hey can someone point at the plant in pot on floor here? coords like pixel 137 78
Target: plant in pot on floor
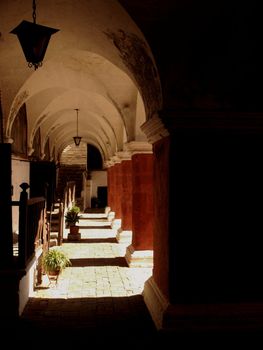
pixel 71 219
pixel 54 261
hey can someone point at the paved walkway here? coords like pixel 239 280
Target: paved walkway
pixel 98 298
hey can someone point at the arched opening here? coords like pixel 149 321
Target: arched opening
pixel 94 159
pixel 98 74
pixel 97 177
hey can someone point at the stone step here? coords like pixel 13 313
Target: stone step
pixel 55 223
pixel 53 242
pixel 94 223
pixel 97 232
pixel 94 216
pixel 54 234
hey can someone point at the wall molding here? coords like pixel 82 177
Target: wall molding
pixel 155 301
pixel 154 129
pixel 138 147
pixel 139 258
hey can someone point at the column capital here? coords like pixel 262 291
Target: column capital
pixel 113 160
pixel 154 129
pixel 137 147
pixel 124 155
pixel 108 163
pixel 116 159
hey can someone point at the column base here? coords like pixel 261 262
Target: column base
pixel 139 258
pixel 155 302
pixel 200 318
pixel 124 236
pixel 116 224
pixel 111 215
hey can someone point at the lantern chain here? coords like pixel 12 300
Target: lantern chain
pixel 34 11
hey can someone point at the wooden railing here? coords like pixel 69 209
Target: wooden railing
pixel 61 223
pixel 68 201
pixel 33 233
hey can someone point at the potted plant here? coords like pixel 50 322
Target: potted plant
pixel 54 261
pixel 71 219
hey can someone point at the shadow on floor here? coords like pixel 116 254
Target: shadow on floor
pixel 115 321
pixel 118 261
pixel 93 240
pixel 95 210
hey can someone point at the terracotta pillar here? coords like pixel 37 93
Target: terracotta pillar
pixel 124 234
pixel 161 152
pixel 208 221
pixel 115 192
pixel 140 252
pixel 142 209
pixel 118 190
pixel 110 188
pixel 126 197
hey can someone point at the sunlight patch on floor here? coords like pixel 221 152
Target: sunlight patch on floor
pixel 95 282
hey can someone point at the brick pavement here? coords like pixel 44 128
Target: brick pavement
pixel 98 297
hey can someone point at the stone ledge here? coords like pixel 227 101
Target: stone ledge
pixel 116 224
pixel 139 258
pixel 200 317
pixel 155 302
pixel 124 236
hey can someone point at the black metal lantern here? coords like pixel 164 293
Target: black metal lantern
pixel 34 39
pixel 77 138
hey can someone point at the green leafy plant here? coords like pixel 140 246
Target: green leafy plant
pixel 55 260
pixel 72 216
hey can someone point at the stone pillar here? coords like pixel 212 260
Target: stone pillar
pixel 126 203
pixel 87 191
pixel 118 190
pixel 111 183
pixel 208 221
pixel 110 188
pixel 124 234
pixel 115 191
pixel 140 252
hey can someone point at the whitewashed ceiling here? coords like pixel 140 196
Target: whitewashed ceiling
pixel 89 64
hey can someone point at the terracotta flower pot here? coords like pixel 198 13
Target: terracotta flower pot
pixel 74 230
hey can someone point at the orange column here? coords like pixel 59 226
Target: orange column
pixel 161 151
pixel 126 197
pixel 142 198
pixel 111 188
pixel 118 190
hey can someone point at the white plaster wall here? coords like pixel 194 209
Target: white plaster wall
pixel 140 119
pixel 74 155
pixel 20 173
pixel 99 178
pixel 26 285
pixel 26 288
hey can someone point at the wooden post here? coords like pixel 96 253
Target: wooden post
pixel 23 225
pixel 61 223
pixel 6 236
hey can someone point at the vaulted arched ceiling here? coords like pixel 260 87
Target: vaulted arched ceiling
pixel 98 62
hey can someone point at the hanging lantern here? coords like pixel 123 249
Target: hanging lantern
pixel 77 138
pixel 34 39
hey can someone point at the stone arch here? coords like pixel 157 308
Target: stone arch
pixel 108 45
